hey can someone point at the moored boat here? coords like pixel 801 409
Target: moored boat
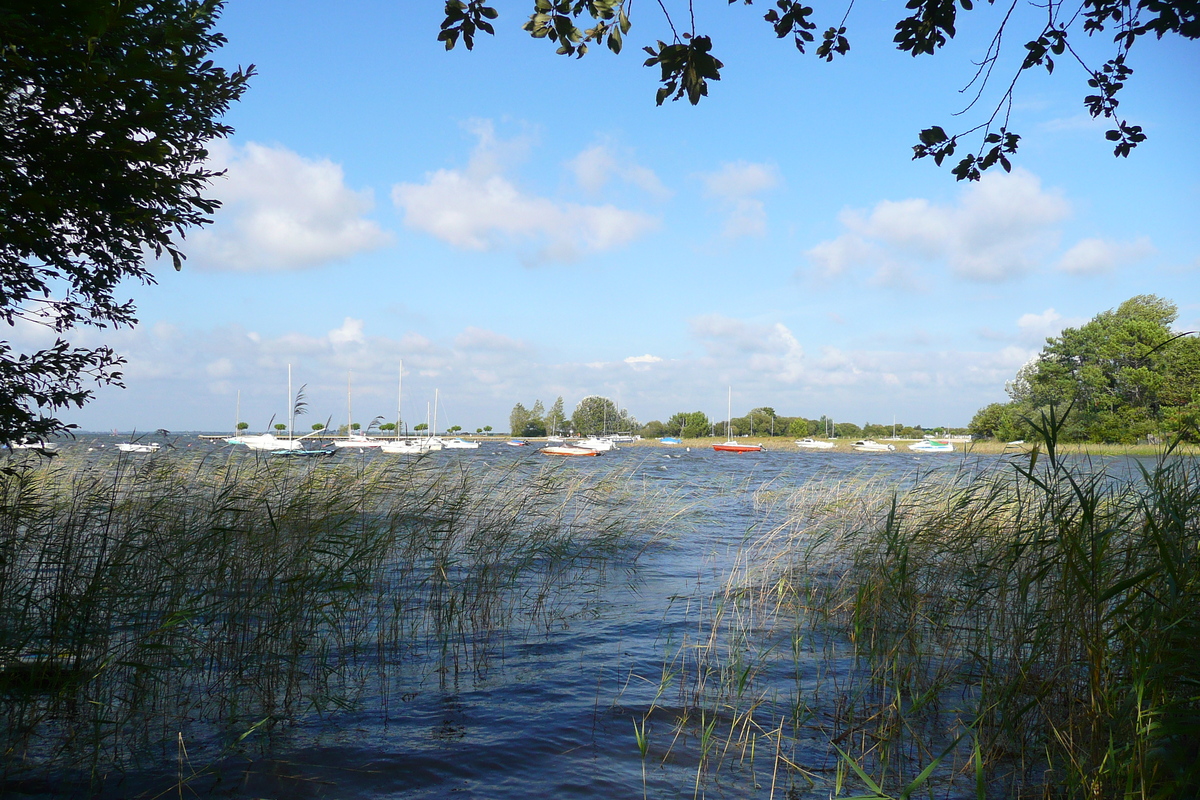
pixel 137 447
pixel 258 441
pixel 517 443
pixel 872 446
pixel 736 447
pixel 34 444
pixel 932 446
pixel 809 443
pixel 358 440
pixel 730 445
pixel 458 444
pixel 569 450
pixel 410 447
pixel 598 443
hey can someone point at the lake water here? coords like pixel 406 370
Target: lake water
pixel 555 711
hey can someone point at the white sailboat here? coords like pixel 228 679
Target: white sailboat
pixel 269 441
pixel 354 439
pixel 409 446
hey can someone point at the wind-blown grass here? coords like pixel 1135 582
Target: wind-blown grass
pixel 1031 631
pixel 172 599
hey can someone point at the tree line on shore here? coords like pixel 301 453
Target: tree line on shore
pixel 1124 377
pixel 596 416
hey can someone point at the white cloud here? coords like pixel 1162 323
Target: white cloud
pixel 1040 326
pixel 767 349
pixel 351 332
pixel 996 231
pixel 642 363
pixel 482 209
pixel 1101 256
pixel 481 340
pixel 190 378
pixel 735 187
pixel 598 165
pixel 221 368
pixel 282 211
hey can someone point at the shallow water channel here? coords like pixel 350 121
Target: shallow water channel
pixel 596 698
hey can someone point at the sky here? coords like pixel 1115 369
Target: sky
pixel 508 225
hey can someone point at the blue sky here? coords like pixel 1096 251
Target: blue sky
pixel 515 226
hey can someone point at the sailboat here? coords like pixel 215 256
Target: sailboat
pixel 355 439
pixel 269 441
pixel 405 447
pixel 730 445
pixel 454 443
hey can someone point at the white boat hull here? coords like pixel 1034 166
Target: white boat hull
pixel 265 441
pixel 932 446
pixel 595 443
pixel 872 446
pixel 134 447
pixel 459 444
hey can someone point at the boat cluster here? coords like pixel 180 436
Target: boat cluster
pixel 277 445
pixel 872 446
pixel 587 446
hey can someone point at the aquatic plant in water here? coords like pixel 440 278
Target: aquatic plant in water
pixel 193 601
pixel 1023 631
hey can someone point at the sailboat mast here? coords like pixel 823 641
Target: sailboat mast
pixel 237 413
pixel 291 407
pixel 435 405
pixel 400 394
pixel 729 415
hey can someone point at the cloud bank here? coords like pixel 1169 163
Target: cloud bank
pixel 995 232
pixel 482 208
pixel 281 211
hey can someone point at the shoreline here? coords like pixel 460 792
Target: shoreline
pixel 788 443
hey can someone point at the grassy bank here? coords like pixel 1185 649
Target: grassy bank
pixel 148 603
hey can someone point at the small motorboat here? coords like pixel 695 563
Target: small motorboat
pixel 932 446
pixel 410 447
pixel 569 450
pixel 872 446
pixel 137 447
pixel 735 447
pixel 517 443
pixel 358 441
pixel 459 444
pixel 261 441
pixel 597 443
pixel 670 440
pixel 34 444
pixel 809 443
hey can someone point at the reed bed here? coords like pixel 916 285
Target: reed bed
pixel 1028 630
pixel 151 605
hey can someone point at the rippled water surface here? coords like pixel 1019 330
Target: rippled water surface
pixel 550 707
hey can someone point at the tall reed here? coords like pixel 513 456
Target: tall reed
pixel 145 603
pixel 1028 627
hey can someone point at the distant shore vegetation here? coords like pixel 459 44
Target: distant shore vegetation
pixel 1127 377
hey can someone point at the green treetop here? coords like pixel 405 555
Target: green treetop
pixel 106 110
